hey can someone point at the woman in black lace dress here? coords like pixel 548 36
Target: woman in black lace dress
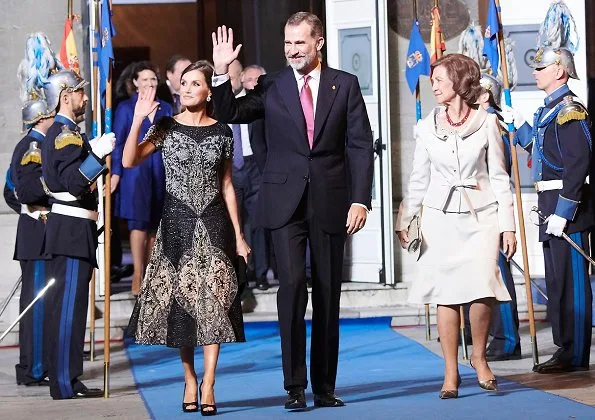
pixel 189 296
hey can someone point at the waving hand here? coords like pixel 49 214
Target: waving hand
pixel 223 50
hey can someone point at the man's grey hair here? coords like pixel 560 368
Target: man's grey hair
pixel 311 19
pixel 256 67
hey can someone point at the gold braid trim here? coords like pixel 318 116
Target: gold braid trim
pixel 31 157
pixel 64 140
pixel 574 115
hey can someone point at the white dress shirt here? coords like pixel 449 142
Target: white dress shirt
pixel 314 83
pixel 246 148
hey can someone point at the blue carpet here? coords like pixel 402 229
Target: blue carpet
pixel 382 375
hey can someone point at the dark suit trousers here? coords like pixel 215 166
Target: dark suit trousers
pixel 246 182
pixel 32 366
pixel 67 316
pixel 569 297
pixel 327 261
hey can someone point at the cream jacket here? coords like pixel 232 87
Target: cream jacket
pixel 458 172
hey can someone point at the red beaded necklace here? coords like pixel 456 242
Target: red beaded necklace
pixel 460 123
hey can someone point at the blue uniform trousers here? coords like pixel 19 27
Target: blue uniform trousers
pixel 505 317
pixel 67 319
pixel 569 297
pixel 32 367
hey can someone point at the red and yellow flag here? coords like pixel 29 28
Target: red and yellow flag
pixel 68 54
pixel 437 46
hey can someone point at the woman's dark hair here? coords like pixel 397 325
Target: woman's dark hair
pixel 145 65
pixel 124 84
pixel 207 69
pixel 464 74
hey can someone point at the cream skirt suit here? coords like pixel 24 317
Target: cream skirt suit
pixel 460 180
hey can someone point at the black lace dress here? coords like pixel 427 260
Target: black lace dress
pixel 189 296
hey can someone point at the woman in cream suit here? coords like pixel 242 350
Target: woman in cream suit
pixel 459 177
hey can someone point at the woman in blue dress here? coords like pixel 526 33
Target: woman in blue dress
pixel 141 190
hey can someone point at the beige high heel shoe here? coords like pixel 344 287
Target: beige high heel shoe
pixel 490 385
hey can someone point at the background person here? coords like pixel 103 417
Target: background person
pixel 140 190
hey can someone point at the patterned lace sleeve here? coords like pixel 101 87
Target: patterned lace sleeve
pixel 227 142
pixel 157 132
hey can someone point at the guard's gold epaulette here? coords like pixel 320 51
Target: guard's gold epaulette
pixel 572 110
pixel 32 155
pixel 68 137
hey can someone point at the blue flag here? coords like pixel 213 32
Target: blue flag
pixel 418 58
pixel 105 49
pixel 490 41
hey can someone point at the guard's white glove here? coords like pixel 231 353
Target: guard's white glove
pixel 555 225
pixel 104 145
pixel 511 115
pixel 415 132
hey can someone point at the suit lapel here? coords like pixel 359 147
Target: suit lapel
pixel 327 90
pixel 289 93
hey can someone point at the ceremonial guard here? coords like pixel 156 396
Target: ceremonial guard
pixel 25 173
pixel 561 160
pixel 506 342
pixel 70 167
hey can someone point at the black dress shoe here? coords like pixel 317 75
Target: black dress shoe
pixel 557 365
pixel 493 355
pixel 262 283
pixel 42 382
pixel 296 399
pixel 88 393
pixel 328 399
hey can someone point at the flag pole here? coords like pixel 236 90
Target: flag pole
pixel 107 234
pixel 92 285
pixel 69 11
pixel 517 188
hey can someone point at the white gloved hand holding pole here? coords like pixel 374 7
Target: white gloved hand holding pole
pixel 556 225
pixel 104 145
pixel 511 115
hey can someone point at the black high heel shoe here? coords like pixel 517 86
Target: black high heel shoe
pixel 185 405
pixel 450 393
pixel 490 385
pixel 203 407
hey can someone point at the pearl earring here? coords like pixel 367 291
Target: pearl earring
pixel 209 98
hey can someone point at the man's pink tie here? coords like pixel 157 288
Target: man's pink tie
pixel 308 107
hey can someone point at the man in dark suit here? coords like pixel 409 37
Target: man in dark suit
pixel 248 162
pixel 317 184
pixel 169 91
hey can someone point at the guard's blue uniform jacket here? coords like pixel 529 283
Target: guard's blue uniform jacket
pixel 25 175
pixel 70 166
pixel 560 150
pixel 141 191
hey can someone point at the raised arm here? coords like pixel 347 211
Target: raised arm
pixel 228 109
pixel 135 153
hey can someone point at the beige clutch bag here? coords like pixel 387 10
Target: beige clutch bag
pixel 415 236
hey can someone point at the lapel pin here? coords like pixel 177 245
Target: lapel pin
pixel 333 87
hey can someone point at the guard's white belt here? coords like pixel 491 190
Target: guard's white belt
pixel 74 212
pixel 63 196
pixel 554 184
pixel 34 212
